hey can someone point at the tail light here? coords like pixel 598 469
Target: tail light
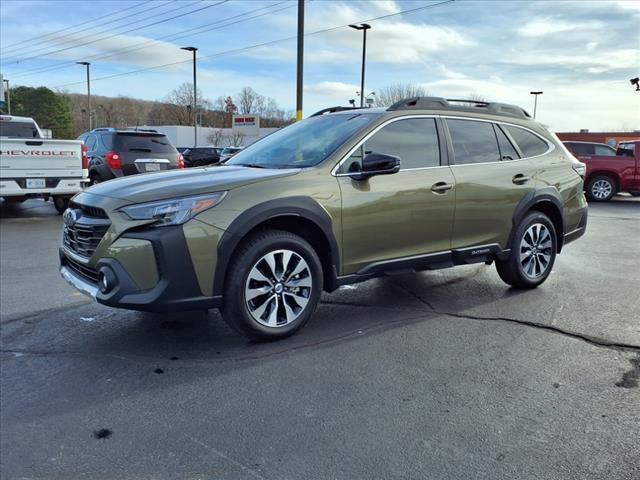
pixel 181 161
pixel 85 160
pixel 113 159
pixel 580 168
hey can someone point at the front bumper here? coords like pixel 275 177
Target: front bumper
pixel 177 287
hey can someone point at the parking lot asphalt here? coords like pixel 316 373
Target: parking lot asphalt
pixel 441 375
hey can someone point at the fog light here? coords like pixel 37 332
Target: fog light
pixel 106 280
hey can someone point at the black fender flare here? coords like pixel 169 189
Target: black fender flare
pixel 548 195
pixel 300 206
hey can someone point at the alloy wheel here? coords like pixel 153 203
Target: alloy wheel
pixel 536 249
pixel 601 189
pixel 278 288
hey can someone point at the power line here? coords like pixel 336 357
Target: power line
pixel 245 16
pixel 264 44
pixel 120 33
pixel 30 49
pixel 11 45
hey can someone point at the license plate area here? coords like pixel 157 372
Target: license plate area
pixel 36 183
pixel 151 167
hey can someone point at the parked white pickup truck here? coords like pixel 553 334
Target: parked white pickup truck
pixel 31 166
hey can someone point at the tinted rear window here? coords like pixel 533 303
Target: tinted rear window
pixel 18 129
pixel 143 143
pixel 530 144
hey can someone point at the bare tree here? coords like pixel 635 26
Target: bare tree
pixel 387 96
pixel 250 101
pixel 235 139
pixel 215 137
pixel 475 97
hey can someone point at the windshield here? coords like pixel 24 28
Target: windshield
pixel 303 144
pixel 18 129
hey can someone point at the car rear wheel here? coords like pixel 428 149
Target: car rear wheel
pixel 601 188
pixel 533 252
pixel 94 179
pixel 273 286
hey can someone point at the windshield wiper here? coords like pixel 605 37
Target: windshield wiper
pixel 250 165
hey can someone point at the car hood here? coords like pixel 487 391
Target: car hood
pixel 148 187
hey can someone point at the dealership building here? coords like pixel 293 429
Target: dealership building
pixel 244 131
pixel 610 138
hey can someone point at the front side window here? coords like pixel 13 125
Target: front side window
pixel 473 142
pixel 529 143
pixel 303 144
pixel 414 140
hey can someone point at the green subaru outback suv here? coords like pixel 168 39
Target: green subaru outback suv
pixel 341 197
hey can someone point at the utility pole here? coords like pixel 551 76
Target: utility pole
pixel 8 97
pixel 87 65
pixel 194 109
pixel 299 82
pixel 364 27
pixel 535 102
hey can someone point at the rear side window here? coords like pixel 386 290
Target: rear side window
pixel 530 144
pixel 90 142
pixel 507 151
pixel 143 143
pixel 473 142
pixel 18 129
pixel 414 140
pixel 580 148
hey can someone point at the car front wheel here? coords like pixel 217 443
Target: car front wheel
pixel 533 252
pixel 273 286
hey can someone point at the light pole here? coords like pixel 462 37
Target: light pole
pixel 195 96
pixel 535 102
pixel 4 80
pixel 364 27
pixel 300 60
pixel 87 64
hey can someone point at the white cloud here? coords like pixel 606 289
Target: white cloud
pixel 545 26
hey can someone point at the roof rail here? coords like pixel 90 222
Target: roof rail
pixel 104 129
pixel 458 105
pixel 333 109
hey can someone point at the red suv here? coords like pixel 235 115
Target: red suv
pixel 609 171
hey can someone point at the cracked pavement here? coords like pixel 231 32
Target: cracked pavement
pixel 446 374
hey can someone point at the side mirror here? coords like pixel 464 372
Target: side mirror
pixel 377 164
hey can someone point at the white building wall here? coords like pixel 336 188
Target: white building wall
pixel 182 136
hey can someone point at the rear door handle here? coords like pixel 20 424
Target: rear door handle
pixel 520 178
pixel 441 187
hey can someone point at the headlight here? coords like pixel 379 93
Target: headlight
pixel 174 211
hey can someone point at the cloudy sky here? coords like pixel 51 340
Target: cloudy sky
pixel 581 54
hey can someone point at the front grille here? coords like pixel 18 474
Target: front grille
pixel 82 231
pixel 85 272
pixel 89 210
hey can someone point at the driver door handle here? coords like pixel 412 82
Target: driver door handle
pixel 441 187
pixel 520 179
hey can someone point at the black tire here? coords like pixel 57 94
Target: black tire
pixel 199 163
pixel 517 272
pixel 94 179
pixel 249 256
pixel 61 203
pixel 601 188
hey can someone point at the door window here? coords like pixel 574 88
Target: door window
pixel 414 140
pixel 473 142
pixel 529 143
pixel 604 151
